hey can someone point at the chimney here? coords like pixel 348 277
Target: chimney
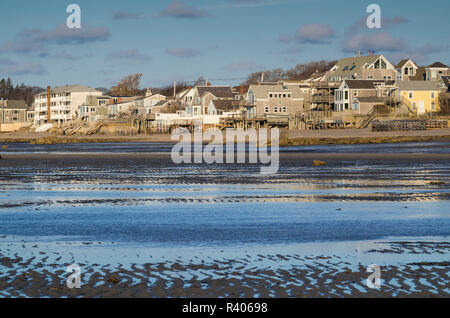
pixel 148 92
pixel 49 117
pixel 358 54
pixel 174 89
pixel 262 77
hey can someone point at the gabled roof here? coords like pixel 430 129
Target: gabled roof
pixel 417 85
pixel 370 99
pixel 217 91
pixel 262 91
pixel 403 62
pixel 367 84
pixel 224 105
pixel 446 80
pixel 361 84
pixel 71 89
pixel 437 65
pixel 14 104
pixel 350 65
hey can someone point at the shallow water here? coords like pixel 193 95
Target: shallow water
pixel 135 210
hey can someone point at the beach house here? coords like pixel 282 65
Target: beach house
pixel 420 97
pixel 436 70
pixel 13 115
pixel 64 103
pixel 369 67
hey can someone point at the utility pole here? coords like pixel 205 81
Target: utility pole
pixel 174 89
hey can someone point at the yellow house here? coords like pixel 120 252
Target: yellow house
pixel 420 96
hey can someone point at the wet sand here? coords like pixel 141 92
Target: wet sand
pixel 303 276
pixel 140 226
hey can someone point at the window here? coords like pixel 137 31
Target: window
pixel 346 105
pixel 432 95
pixel 370 77
pixel 414 106
pixel 275 109
pixel 355 93
pixel 266 109
pixel 355 106
pixel 270 95
pixel 352 68
pixel 433 106
pixel 346 95
pixel 284 109
pixel 284 95
pixel 410 95
pixel 406 71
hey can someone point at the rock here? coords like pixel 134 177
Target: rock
pixel 319 163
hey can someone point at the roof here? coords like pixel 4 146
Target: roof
pixel 217 91
pixel 403 62
pixel 225 105
pixel 446 80
pixel 437 65
pixel 71 89
pixel 350 65
pixel 418 85
pixel 262 91
pixel 371 99
pixel 14 104
pixel 360 84
pixel 420 74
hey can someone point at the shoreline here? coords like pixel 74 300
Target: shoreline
pixel 287 138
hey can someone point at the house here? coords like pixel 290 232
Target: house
pixel 420 97
pixel 275 99
pixel 150 100
pixel 64 103
pixel 219 107
pixel 406 69
pixel 444 83
pixel 370 67
pixel 436 70
pixel 202 95
pixel 364 105
pixel 345 95
pixel 13 115
pixel 90 110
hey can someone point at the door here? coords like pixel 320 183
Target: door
pixel 421 109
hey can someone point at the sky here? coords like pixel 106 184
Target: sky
pixel 222 40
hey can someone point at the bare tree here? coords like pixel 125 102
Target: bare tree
pixel 128 86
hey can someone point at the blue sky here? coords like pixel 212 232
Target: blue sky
pixel 222 40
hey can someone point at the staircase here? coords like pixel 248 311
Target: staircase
pixel 365 122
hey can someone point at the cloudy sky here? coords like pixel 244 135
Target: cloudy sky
pixel 223 40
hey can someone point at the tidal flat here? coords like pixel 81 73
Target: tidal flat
pixel 139 225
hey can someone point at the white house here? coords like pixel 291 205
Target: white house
pixel 64 103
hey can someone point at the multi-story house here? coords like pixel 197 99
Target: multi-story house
pixel 275 99
pixel 13 114
pixel 436 70
pixel 406 70
pixel 370 67
pixel 95 108
pixel 64 103
pixel 145 104
pixel 420 97
pixel 198 98
pixel 349 90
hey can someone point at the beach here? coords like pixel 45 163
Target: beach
pixel 139 225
